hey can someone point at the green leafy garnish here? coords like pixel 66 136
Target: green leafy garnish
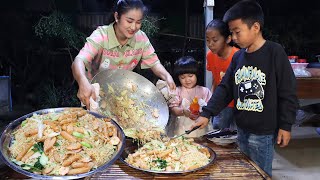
pixel 38 147
pixel 38 165
pixel 162 164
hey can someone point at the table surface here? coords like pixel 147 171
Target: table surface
pixel 308 88
pixel 229 164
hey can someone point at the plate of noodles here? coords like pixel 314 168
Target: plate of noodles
pixel 172 156
pixel 61 143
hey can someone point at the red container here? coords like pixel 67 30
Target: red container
pixel 293 59
pixel 301 61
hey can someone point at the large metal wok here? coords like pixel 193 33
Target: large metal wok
pixel 145 92
pixel 7 137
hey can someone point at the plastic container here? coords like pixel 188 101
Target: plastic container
pixel 300 70
pixel 194 107
pixel 293 59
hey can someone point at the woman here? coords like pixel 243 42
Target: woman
pixel 120 45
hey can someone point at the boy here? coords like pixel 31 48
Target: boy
pixel 262 84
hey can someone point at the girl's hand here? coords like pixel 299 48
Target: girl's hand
pixel 194 116
pixel 186 112
pixel 201 121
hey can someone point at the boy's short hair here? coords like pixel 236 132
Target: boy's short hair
pixel 249 11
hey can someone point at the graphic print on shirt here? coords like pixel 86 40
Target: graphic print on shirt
pixel 105 64
pixel 250 81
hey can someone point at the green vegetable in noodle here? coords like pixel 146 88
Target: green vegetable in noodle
pixel 85 144
pixel 43 159
pixel 23 123
pixel 38 147
pixel 77 134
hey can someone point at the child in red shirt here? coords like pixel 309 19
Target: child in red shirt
pixel 218 59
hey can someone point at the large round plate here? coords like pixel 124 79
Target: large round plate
pixel 7 137
pixel 131 147
pixel 146 92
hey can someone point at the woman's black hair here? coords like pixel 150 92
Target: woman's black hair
pixel 221 26
pixel 185 65
pixel 123 6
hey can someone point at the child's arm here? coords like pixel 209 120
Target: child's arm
pixel 222 95
pixel 179 111
pixel 286 95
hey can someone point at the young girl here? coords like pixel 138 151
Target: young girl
pixel 119 45
pixel 185 74
pixel 218 59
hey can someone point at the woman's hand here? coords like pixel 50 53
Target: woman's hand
pixel 170 82
pixel 86 90
pixel 162 73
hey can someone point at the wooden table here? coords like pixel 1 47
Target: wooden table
pixel 229 164
pixel 308 88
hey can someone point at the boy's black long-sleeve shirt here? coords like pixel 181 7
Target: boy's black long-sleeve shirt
pixel 263 86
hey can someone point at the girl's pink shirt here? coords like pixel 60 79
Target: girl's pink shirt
pixel 182 92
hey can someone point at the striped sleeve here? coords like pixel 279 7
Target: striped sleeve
pixel 149 57
pixel 92 48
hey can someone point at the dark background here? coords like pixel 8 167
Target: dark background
pixel 39 67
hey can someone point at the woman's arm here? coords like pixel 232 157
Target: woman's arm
pixel 162 73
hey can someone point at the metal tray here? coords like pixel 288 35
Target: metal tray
pixel 131 147
pixel 7 137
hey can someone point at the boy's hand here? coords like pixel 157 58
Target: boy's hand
pixel 283 138
pixel 201 121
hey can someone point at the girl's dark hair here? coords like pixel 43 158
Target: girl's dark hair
pixel 221 26
pixel 123 6
pixel 185 65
